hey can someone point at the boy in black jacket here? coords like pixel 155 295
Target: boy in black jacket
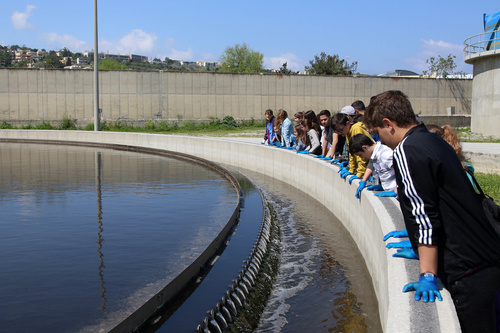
pixel 443 215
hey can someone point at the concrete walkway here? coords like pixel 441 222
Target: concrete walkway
pixel 484 156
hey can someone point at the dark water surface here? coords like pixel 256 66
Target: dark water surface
pixel 88 234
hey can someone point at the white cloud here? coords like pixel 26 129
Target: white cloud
pixel 293 62
pixel 181 55
pixel 20 20
pixel 432 48
pixel 136 42
pixel 68 41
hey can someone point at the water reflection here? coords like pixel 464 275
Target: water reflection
pixel 154 216
pixel 100 239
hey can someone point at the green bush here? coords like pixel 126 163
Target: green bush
pixel 6 125
pixel 162 126
pixel 68 124
pixel 150 125
pixel 189 125
pixel 229 121
pixel 44 126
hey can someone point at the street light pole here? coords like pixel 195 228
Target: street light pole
pixel 97 120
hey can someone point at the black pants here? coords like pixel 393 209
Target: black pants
pixel 474 297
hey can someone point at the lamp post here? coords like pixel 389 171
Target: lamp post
pixel 97 120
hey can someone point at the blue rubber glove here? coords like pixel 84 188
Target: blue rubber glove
pixel 341 169
pixel 386 194
pixel 375 188
pixel 362 185
pixel 426 289
pixel 335 161
pixel 352 178
pixel 290 147
pixel 370 179
pixel 402 244
pixel 304 152
pixel 319 156
pixel 344 164
pixel 406 253
pixel 345 173
pixel 326 158
pixel 396 234
pixel 278 144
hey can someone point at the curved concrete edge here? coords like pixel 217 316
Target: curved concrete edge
pixel 367 219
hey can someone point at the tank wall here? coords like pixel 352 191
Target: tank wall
pixel 367 219
pixel 485 96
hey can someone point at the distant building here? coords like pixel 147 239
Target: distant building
pixel 81 61
pixel 124 57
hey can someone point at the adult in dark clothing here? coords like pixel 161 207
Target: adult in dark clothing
pixel 444 217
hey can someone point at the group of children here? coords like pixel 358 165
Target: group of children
pixel 447 228
pixel 342 139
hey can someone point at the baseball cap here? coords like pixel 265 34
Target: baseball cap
pixel 348 110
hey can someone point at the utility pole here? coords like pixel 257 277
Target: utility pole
pixel 97 115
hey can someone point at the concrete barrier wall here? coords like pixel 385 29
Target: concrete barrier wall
pixel 367 219
pixel 28 95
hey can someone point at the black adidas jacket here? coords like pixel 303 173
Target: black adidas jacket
pixel 440 206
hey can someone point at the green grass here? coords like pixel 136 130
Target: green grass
pixel 214 127
pixel 466 135
pixel 490 183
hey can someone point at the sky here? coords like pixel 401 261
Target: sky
pixel 380 35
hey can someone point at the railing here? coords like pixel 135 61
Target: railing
pixel 485 43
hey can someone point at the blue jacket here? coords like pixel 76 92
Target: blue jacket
pixel 286 132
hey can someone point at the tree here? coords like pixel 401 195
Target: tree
pixel 442 67
pixel 328 65
pixel 241 59
pixel 284 70
pixel 65 52
pixel 112 64
pixel 5 58
pixel 53 61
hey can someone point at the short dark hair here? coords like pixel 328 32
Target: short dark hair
pixel 358 141
pixel 358 105
pixel 269 112
pixel 324 113
pixel 393 105
pixel 339 119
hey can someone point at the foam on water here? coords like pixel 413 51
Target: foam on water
pixel 296 268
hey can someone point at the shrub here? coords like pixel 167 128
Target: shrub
pixel 44 126
pixel 162 126
pixel 68 123
pixel 229 121
pixel 150 125
pixel 189 125
pixel 6 125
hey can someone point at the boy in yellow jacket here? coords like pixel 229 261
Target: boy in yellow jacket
pixel 346 126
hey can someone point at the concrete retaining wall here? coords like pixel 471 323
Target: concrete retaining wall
pixel 367 219
pixel 32 95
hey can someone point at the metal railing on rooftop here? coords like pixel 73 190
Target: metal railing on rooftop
pixel 482 44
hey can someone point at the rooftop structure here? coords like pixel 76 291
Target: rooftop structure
pixel 483 52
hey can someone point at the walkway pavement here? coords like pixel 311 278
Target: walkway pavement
pixel 484 156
